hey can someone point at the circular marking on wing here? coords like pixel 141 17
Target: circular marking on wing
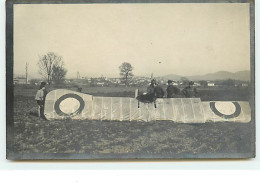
pixel 69 105
pixel 226 110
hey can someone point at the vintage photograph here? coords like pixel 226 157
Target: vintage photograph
pixel 134 80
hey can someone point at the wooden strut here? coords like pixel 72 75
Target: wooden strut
pixel 139 104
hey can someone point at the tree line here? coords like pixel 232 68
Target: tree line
pixel 52 69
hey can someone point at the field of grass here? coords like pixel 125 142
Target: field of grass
pixel 206 94
pixel 105 139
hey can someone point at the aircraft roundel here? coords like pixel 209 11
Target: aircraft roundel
pixel 71 97
pixel 224 111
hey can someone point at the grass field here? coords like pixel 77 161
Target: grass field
pixel 129 139
pixel 206 94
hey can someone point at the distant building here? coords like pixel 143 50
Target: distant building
pixel 100 83
pixel 244 85
pixel 211 84
pixel 19 80
pixel 175 83
pixel 67 81
pixel 114 80
pixel 118 80
pixel 196 84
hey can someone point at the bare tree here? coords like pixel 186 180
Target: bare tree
pixel 48 63
pixel 126 72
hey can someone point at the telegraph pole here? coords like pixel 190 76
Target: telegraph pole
pixel 26 73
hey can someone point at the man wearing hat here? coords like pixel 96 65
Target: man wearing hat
pixel 172 92
pixel 190 91
pixel 154 90
pixel 158 91
pixel 151 87
pixel 149 96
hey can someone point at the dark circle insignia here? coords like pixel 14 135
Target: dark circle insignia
pixel 75 96
pixel 235 114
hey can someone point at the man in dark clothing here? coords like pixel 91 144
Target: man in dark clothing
pixel 158 92
pixel 190 91
pixel 149 96
pixel 172 92
pixel 155 90
pixel 151 87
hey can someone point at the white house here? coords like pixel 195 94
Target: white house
pixel 211 84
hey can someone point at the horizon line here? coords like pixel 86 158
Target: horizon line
pixel 85 76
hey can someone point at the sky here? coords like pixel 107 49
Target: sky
pixel 95 39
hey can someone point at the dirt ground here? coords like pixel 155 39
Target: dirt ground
pixel 106 139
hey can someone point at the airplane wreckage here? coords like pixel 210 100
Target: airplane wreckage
pixel 64 104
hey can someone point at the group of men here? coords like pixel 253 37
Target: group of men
pixel 156 91
pixel 153 91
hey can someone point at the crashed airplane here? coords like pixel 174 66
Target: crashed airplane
pixel 66 104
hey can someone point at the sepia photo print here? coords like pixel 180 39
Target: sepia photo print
pixel 162 79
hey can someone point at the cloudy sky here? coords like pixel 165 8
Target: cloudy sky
pixel 94 39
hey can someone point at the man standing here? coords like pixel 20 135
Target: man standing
pixel 40 99
pixel 158 91
pixel 172 92
pixel 190 91
pixel 151 87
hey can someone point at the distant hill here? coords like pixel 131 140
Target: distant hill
pixel 220 75
pixel 172 77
